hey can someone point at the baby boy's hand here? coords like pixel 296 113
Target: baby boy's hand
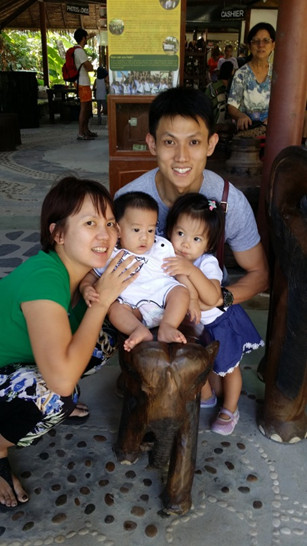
pixel 90 295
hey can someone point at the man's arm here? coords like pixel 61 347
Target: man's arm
pixel 256 279
pixel 88 66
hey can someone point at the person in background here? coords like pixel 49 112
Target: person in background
pixel 100 92
pixel 228 56
pixel 249 96
pixel 217 92
pixel 212 63
pixel 242 57
pixel 84 85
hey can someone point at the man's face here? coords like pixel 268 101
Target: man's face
pixel 181 147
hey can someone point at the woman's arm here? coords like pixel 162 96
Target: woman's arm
pixel 60 356
pixel 242 120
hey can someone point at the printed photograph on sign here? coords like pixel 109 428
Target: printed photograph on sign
pixel 171 45
pixel 169 4
pixel 141 83
pixel 116 26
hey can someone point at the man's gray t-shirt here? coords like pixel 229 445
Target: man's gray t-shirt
pixel 241 232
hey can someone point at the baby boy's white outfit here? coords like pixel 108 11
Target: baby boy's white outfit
pixel 149 291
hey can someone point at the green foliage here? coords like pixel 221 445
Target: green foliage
pixel 22 50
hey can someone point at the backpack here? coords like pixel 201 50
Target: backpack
pixel 69 69
pixel 217 94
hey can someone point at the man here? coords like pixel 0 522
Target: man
pixel 228 57
pixel 181 137
pixel 84 87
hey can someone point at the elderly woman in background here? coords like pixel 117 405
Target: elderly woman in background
pixel 249 95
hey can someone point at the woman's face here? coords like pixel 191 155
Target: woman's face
pixel 88 238
pixel 262 45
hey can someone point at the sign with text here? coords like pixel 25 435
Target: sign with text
pixel 78 9
pixel 144 45
pixel 233 14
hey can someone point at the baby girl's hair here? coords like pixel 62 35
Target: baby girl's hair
pixel 134 200
pixel 198 207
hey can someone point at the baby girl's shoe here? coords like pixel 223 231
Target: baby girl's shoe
pixel 225 426
pixel 209 402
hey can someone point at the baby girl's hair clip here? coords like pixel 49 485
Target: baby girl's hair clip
pixel 212 204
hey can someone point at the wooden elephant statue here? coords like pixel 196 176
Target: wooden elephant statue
pixel 160 413
pixel 284 416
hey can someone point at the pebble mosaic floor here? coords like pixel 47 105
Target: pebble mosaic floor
pixel 81 495
pixel 247 489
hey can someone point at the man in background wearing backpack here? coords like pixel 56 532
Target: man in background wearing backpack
pixel 83 85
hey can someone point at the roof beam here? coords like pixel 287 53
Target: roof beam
pixel 17 12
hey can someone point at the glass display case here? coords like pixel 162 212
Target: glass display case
pixel 129 156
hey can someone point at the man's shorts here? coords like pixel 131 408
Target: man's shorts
pixel 84 93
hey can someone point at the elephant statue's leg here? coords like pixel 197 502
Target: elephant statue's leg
pixel 176 496
pixel 131 431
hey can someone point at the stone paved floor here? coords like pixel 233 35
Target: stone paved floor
pixel 247 489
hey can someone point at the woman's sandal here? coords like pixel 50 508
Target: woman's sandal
pixel 6 474
pixel 85 137
pixel 225 426
pixel 91 134
pixel 76 418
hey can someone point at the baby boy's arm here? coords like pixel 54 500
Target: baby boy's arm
pixel 87 288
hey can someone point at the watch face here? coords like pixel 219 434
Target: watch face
pixel 228 297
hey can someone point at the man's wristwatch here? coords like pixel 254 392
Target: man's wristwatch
pixel 228 299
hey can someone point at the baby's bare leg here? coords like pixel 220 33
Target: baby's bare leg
pixel 177 303
pixel 128 321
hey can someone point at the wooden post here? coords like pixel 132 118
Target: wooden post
pixel 288 97
pixel 42 16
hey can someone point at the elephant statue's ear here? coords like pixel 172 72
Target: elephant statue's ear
pixel 212 350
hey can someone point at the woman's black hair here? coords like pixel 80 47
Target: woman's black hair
pixel 198 207
pixel 65 199
pixel 261 26
pixel 136 200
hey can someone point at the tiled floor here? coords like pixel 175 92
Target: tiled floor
pixel 247 489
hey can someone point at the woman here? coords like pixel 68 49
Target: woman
pixel 47 334
pixel 249 95
pixel 212 63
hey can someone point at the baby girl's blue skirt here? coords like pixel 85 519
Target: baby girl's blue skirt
pixel 237 336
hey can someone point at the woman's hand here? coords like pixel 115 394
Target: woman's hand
pixel 116 277
pixel 177 266
pixel 243 122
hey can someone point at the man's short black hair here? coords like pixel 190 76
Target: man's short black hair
pixel 181 101
pixel 79 34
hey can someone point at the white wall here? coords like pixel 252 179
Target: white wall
pixel 263 16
